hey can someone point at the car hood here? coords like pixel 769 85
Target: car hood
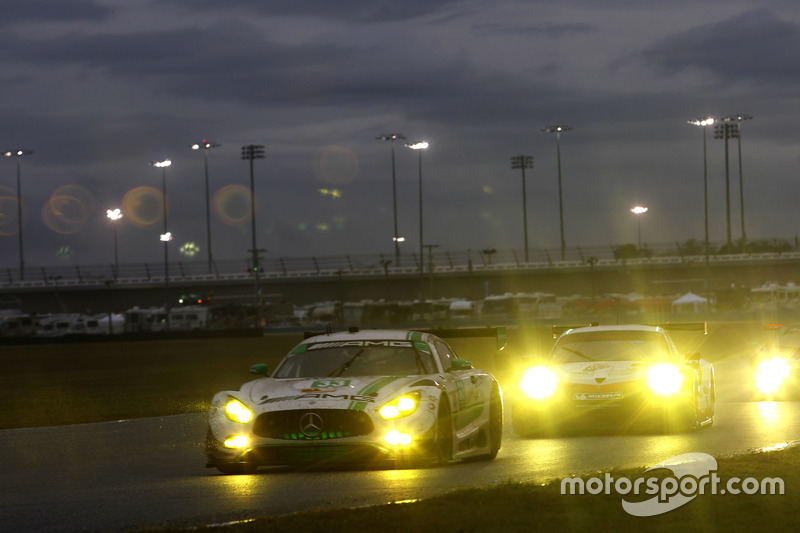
pixel 325 393
pixel 602 372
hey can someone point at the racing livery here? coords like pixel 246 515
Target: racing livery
pixel 358 396
pixel 776 365
pixel 609 374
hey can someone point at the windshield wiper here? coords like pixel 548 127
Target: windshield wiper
pixel 339 370
pixel 579 354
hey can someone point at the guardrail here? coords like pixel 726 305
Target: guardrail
pixel 350 266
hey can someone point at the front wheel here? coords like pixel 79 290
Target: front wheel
pixel 442 444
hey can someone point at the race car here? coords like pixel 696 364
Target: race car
pixel 625 375
pixel 403 398
pixel 776 365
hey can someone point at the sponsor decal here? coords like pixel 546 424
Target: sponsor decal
pixel 331 383
pixel 344 344
pixel 595 367
pixel 320 396
pixel 598 395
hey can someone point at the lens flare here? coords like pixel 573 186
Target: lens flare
pixel 143 206
pixel 336 165
pixel 68 209
pixel 232 204
pixel 189 249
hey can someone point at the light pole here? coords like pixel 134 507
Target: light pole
pixel 166 236
pixel 557 130
pixel 522 162
pixel 639 210
pixel 391 137
pixel 251 152
pixel 704 122
pixel 206 145
pixel 727 130
pixel 114 215
pixel 738 134
pixel 419 147
pixel 18 153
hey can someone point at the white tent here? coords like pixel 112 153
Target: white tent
pixel 690 302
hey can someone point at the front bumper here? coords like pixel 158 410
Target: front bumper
pixel 587 407
pixel 344 436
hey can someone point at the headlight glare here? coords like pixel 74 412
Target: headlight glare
pixel 397 438
pixel 770 373
pixel 539 382
pixel 236 441
pixel 664 379
pixel 237 411
pixel 401 406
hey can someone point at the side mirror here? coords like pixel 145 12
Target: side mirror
pixel 260 369
pixel 461 364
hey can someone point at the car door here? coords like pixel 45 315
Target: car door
pixel 467 401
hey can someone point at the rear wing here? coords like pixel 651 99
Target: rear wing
pixel 498 332
pixel 673 326
pixel 559 330
pixel 684 326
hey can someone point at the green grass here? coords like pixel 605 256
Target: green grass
pixel 53 384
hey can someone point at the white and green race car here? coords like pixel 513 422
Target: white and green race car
pixel 359 397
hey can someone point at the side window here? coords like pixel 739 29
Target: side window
pixel 446 355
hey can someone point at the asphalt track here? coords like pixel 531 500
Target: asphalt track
pixel 127 474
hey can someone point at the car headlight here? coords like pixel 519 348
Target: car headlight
pixel 770 373
pixel 237 411
pixel 664 379
pixel 236 442
pixel 401 406
pixel 539 382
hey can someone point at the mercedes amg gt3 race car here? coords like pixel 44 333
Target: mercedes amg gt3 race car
pixel 358 397
pixel 629 374
pixel 776 365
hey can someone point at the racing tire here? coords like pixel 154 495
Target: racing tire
pixel 494 427
pixel 712 395
pixel 442 443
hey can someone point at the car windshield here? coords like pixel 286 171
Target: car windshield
pixel 610 346
pixel 339 361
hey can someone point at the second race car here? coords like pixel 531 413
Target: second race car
pixel 776 365
pixel 624 374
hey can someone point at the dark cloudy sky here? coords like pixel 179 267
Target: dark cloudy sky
pixel 98 89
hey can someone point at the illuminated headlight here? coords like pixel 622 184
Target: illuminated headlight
pixel 237 411
pixel 664 379
pixel 397 438
pixel 399 407
pixel 539 383
pixel 770 374
pixel 236 441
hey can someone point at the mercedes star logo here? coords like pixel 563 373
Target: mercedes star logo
pixel 311 425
